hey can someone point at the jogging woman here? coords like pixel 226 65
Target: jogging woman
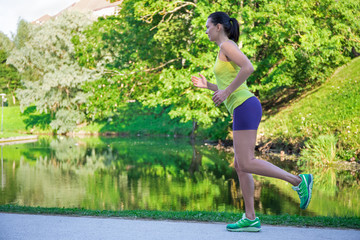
pixel 231 69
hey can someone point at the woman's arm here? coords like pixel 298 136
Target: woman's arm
pixel 201 82
pixel 212 87
pixel 233 53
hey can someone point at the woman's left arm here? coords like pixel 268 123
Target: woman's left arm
pixel 233 53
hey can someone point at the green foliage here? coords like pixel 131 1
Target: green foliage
pixel 9 77
pixel 22 33
pixel 142 66
pixel 34 120
pixel 188 104
pixel 127 61
pixel 6 44
pixel 292 44
pixel 320 151
pixel 181 30
pixel 297 44
pixel 149 50
pixel 51 76
pixel 331 109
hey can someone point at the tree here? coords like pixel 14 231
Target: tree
pixel 9 77
pixel 292 44
pixel 297 44
pixel 129 61
pixel 51 76
pixel 151 49
pixel 22 33
pixel 144 49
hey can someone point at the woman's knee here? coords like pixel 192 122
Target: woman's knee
pixel 241 166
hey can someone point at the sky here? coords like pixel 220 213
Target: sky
pixel 12 10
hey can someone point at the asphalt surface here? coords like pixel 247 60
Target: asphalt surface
pixel 23 226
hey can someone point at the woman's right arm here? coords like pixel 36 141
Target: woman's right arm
pixel 201 82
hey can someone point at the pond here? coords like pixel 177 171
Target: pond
pixel 156 174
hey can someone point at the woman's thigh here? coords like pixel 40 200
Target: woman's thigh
pixel 244 145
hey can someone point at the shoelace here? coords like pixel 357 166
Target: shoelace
pixel 239 222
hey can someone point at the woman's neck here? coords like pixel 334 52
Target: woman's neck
pixel 221 40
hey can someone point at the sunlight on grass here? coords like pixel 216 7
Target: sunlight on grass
pixel 332 108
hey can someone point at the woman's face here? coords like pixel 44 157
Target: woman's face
pixel 211 30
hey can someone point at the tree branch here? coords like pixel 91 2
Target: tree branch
pixel 146 70
pixel 148 18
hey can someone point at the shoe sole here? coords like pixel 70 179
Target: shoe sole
pixel 309 190
pixel 246 229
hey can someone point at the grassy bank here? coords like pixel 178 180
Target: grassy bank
pixel 14 124
pixel 287 220
pixel 323 117
pixel 10 134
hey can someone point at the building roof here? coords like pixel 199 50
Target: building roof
pixel 82 6
pixel 90 5
pixel 43 19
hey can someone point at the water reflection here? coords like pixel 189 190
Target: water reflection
pixel 161 174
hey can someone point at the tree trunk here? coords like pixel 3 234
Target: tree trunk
pixel 195 126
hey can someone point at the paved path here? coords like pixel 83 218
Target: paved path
pixel 22 226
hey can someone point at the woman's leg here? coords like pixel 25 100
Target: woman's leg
pixel 247 188
pixel 244 146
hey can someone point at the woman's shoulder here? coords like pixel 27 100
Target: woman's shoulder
pixel 228 48
pixel 229 44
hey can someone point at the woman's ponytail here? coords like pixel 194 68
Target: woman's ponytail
pixel 234 30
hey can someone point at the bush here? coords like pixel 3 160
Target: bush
pixel 320 151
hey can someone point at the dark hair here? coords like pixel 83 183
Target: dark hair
pixel 231 25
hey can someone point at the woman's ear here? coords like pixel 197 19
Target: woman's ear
pixel 218 27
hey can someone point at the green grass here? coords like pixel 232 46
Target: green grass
pixel 13 120
pixel 10 134
pixel 13 124
pixel 332 109
pixel 287 220
pixel 16 124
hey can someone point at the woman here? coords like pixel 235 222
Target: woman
pixel 231 69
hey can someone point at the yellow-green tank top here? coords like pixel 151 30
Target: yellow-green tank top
pixel 225 73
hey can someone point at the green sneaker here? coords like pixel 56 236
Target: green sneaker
pixel 245 225
pixel 304 190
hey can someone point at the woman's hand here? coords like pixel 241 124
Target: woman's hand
pixel 220 96
pixel 200 82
